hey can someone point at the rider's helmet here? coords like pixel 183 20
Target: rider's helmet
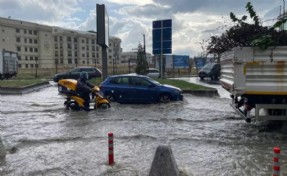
pixel 84 76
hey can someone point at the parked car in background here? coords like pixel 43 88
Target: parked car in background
pixel 211 70
pixel 75 73
pixel 153 73
pixel 131 88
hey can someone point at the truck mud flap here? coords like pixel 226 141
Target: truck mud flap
pixel 241 113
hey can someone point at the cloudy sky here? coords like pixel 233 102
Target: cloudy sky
pixel 193 20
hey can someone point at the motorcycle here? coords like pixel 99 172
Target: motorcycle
pixel 75 102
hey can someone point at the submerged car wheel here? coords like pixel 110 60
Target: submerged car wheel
pixel 110 97
pixel 164 98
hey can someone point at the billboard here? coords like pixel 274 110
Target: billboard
pixel 180 61
pixel 102 26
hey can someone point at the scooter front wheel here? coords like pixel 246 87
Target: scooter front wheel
pixel 103 106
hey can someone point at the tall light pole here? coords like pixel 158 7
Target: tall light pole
pixel 144 46
pixel 283 14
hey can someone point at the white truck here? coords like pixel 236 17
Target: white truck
pixel 8 64
pixel 256 79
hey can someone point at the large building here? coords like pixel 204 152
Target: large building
pixel 51 49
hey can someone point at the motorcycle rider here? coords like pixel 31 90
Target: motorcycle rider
pixel 84 89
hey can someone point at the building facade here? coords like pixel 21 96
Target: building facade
pixel 54 49
pixel 131 57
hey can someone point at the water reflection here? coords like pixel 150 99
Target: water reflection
pixel 206 136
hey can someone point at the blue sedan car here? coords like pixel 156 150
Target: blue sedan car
pixel 138 89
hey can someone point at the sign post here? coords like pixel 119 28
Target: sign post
pixel 162 40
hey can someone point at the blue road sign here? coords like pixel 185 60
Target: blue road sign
pixel 162 36
pixel 180 61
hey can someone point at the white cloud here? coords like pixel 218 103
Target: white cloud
pixel 131 2
pixel 193 21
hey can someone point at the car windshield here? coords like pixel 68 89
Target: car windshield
pixel 208 66
pixel 153 81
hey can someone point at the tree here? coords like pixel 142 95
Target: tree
pixel 245 34
pixel 142 64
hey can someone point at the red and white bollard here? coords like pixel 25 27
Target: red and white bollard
pixel 276 164
pixel 111 148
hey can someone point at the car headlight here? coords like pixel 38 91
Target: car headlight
pixel 177 91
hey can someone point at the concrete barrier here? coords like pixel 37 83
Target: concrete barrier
pixel 23 90
pixel 2 149
pixel 164 163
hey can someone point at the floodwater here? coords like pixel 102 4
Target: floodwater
pixel 205 135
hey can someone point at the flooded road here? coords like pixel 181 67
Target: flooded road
pixel 205 135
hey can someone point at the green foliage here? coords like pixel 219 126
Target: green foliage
pixel 142 64
pixel 245 34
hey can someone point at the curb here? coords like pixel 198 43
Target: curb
pixel 23 90
pixel 207 93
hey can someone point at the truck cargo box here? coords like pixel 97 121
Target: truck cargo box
pixel 256 79
pixel 249 70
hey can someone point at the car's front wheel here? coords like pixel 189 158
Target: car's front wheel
pixel 164 98
pixel 110 97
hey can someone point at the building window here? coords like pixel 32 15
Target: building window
pixel 35 41
pixel 26 49
pixel 31 49
pixel 17 30
pixel 75 40
pixel 25 40
pixel 31 57
pixel 30 41
pixel 35 32
pixel 31 65
pixel 25 31
pixel 19 66
pixel 69 39
pixel 61 38
pixel 36 58
pixel 26 65
pixel 26 57
pixel 55 38
pixel 69 61
pixel 83 41
pixel 30 32
pixel 18 48
pixel 36 50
